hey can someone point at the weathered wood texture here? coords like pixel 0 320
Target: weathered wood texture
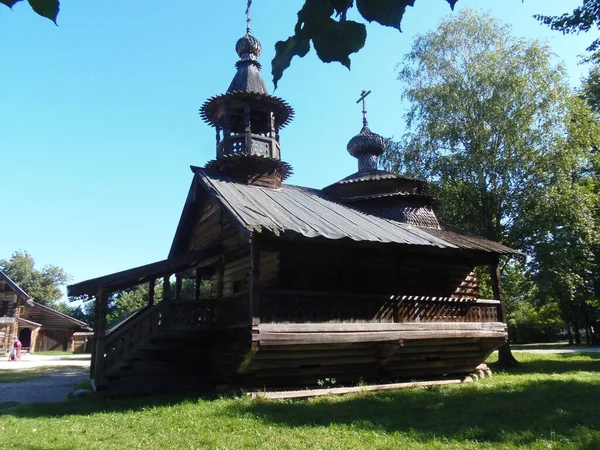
pixel 288 357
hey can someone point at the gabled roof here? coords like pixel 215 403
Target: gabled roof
pixel 295 210
pixel 52 311
pixel 20 292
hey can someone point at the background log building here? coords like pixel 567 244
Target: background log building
pixel 38 327
pixel 358 280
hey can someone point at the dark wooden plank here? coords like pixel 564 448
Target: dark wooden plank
pixel 374 326
pixel 331 338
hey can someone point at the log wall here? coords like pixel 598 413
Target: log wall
pixel 368 271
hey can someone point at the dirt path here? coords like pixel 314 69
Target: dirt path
pixel 33 361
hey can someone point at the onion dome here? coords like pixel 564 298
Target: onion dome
pixel 248 48
pixel 248 77
pixel 367 146
pixel 378 192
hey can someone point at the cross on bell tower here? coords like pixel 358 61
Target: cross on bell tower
pixel 363 97
pixel 366 146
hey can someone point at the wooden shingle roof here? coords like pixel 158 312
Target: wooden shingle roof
pixel 296 210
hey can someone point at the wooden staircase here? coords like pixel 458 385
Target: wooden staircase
pixel 170 346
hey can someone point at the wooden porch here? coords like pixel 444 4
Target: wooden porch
pixel 345 336
pixel 268 336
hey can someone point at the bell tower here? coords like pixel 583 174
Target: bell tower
pixel 247 120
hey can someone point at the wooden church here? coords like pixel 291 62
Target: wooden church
pixel 356 281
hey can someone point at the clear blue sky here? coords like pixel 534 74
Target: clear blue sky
pixel 99 116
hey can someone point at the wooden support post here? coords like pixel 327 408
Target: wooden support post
pixel 165 325
pixel 198 283
pixel 151 288
pixel 166 288
pixel 100 337
pixel 255 251
pixel 178 284
pixel 497 288
pixel 94 339
pixel 505 356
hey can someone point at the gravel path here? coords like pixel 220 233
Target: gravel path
pixel 50 389
pixel 70 371
pixel 32 361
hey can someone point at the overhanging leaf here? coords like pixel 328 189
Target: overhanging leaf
pixel 312 16
pixel 385 12
pixel 341 6
pixel 9 3
pixel 452 3
pixel 284 52
pixel 46 8
pixel 337 40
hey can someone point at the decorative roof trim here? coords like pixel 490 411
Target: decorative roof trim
pixel 286 112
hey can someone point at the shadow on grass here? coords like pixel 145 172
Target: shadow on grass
pixel 497 410
pixel 470 413
pixel 564 363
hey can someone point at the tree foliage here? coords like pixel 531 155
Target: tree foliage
pixel 485 110
pixel 509 152
pixel 564 225
pixel 581 19
pixel 42 285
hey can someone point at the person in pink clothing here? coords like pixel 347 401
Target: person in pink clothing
pixel 15 354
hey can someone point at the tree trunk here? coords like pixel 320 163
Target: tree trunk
pixel 505 356
pixel 588 334
pixel 594 332
pixel 576 328
pixel 569 334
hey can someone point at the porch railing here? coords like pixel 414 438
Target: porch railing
pixel 286 307
pixel 227 312
pixel 315 307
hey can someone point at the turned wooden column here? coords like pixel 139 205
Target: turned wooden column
pixel 151 289
pixel 178 285
pixel 167 299
pixel 100 336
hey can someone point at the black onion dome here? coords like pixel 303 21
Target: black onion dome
pixel 366 143
pixel 248 48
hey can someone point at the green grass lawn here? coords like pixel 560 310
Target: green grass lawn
pixel 22 375
pixel 552 346
pixel 551 402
